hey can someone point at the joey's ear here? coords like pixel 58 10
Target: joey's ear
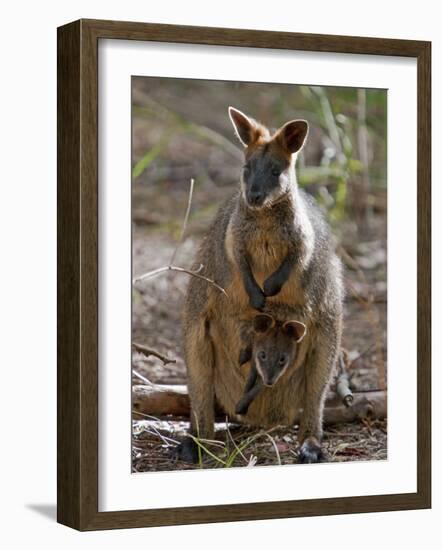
pixel 262 323
pixel 292 135
pixel 245 127
pixel 295 329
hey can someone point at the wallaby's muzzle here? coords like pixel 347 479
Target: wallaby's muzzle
pixel 255 197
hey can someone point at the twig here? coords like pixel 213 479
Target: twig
pixel 196 273
pixel 252 461
pixel 213 442
pixel 362 353
pixel 166 440
pixel 343 382
pixel 141 377
pixel 275 447
pixel 146 351
pixel 186 219
pixel 147 415
pixel 206 450
pixel 159 270
pixel 234 442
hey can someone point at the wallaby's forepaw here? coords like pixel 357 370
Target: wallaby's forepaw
pixel 187 451
pixel 258 300
pixel 311 452
pixel 272 286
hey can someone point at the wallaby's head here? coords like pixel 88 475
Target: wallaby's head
pixel 268 173
pixel 275 346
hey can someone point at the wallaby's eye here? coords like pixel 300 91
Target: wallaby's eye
pixel 262 355
pixel 276 172
pixel 282 359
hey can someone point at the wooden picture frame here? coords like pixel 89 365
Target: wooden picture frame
pixel 78 273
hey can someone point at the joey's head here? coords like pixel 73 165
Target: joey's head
pixel 275 346
pixel 268 173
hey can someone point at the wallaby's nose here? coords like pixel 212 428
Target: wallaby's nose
pixel 256 197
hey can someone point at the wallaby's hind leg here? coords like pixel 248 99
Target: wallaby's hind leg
pixel 318 369
pixel 200 363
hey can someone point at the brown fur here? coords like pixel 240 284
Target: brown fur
pixel 271 347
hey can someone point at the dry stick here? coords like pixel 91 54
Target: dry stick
pixel 185 221
pixel 361 354
pixel 141 377
pixel 146 351
pixel 343 381
pixel 274 446
pixel 233 441
pixel 194 273
pixel 166 440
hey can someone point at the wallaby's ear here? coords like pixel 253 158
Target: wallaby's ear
pixel 292 135
pixel 245 127
pixel 295 329
pixel 262 323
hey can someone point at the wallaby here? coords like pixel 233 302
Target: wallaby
pixel 272 350
pixel 267 181
pixel 268 245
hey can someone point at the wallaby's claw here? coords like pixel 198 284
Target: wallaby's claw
pixel 311 452
pixel 187 451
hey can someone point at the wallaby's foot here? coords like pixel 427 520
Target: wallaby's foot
pixel 311 452
pixel 187 451
pixel 272 286
pixel 258 300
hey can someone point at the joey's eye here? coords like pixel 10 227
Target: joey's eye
pixel 276 172
pixel 262 355
pixel 282 359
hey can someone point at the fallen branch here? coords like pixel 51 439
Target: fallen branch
pixel 343 389
pixel 147 352
pixel 173 400
pixel 196 273
pixel 160 400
